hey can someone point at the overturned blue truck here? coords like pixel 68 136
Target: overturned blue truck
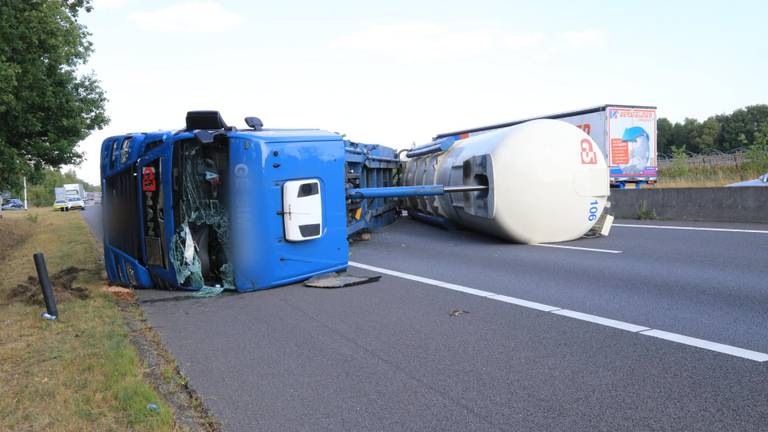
pixel 211 205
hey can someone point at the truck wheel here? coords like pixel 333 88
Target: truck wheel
pixel 66 209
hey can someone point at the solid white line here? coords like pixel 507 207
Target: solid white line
pixel 578 248
pixel 441 284
pixel 692 228
pixel 712 346
pixel 461 288
pixel 455 287
pixel 524 303
pixel 674 337
pixel 600 320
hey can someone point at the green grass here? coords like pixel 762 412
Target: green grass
pixel 80 373
pixel 645 213
pixel 705 176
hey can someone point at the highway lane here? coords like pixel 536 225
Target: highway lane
pixel 710 285
pixel 92 216
pixel 389 355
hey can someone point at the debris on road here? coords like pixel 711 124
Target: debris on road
pixel 208 291
pixel 336 280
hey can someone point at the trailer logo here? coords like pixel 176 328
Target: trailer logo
pixel 586 127
pixel 148 181
pixel 588 155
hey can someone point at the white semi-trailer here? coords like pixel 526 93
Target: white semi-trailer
pixel 626 135
pixel 60 193
pixel 74 190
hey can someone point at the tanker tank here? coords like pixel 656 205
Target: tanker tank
pixel 547 181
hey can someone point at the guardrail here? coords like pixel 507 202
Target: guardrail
pixel 721 204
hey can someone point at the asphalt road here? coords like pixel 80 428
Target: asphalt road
pixel 390 356
pixel 92 215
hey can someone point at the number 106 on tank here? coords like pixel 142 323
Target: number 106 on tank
pixel 593 211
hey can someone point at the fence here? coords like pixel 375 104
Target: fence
pixel 733 158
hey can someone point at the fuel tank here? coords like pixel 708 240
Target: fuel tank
pixel 547 182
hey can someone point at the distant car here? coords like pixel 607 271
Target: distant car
pixel 61 205
pixel 760 181
pixel 75 203
pixel 13 204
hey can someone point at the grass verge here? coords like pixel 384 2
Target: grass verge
pixel 704 176
pixel 80 373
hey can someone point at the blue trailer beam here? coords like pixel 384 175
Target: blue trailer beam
pixel 391 192
pixel 408 191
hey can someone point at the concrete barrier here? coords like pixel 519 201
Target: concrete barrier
pixel 722 204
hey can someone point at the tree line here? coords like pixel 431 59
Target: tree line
pixel 40 192
pixel 746 128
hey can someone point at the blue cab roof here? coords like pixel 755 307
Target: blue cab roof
pixel 139 140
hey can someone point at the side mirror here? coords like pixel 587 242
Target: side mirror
pixel 254 123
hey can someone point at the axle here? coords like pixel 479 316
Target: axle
pixel 408 191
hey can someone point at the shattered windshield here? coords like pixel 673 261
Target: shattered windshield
pixel 200 249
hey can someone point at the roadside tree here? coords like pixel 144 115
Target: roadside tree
pixel 47 106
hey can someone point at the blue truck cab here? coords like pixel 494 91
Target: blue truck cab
pixel 213 206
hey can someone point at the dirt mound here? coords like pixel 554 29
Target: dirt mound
pixel 63 290
pixel 124 294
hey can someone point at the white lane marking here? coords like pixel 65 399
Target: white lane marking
pixel 464 289
pixel 712 346
pixel 578 248
pixel 524 303
pixel 692 228
pixel 455 287
pixel 427 281
pixel 600 320
pixel 674 337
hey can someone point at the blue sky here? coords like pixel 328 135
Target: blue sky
pixel 398 72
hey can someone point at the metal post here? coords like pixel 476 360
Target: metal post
pixel 25 194
pixel 51 313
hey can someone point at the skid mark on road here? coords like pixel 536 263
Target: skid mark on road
pixel 633 328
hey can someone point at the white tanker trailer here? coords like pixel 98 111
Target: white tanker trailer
pixel 518 200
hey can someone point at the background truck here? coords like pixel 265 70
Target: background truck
pixel 74 189
pixel 60 193
pixel 626 134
